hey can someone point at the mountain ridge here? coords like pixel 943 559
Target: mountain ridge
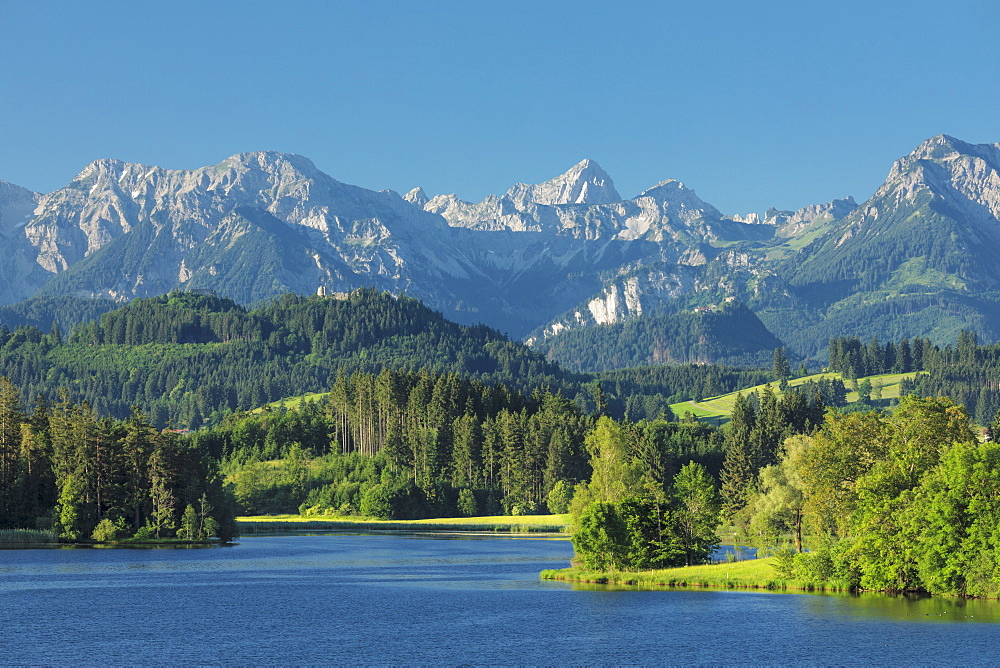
pixel 538 260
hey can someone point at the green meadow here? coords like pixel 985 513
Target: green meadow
pixel 717 410
pixel 292 403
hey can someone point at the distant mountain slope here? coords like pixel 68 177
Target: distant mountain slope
pixel 19 275
pixel 731 335
pixel 258 224
pixel 920 258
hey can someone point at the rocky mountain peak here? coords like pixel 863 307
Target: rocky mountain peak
pixel 675 193
pixel 947 151
pixel 584 183
pixel 270 161
pixel 105 167
pixel 417 196
pixel 966 175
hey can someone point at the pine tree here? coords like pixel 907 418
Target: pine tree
pixel 781 369
pixel 738 472
pixel 11 419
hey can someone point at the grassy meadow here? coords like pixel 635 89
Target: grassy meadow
pixel 718 409
pixel 292 403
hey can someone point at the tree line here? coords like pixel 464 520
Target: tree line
pixel 901 502
pixel 419 444
pixel 968 372
pixel 63 467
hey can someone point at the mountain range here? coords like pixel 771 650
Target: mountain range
pixel 916 259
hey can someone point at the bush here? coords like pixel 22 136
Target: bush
pixel 784 561
pixel 108 530
pixel 377 502
pixel 146 532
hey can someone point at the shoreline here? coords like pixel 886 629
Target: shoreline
pixel 507 525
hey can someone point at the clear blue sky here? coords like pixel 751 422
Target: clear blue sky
pixel 752 104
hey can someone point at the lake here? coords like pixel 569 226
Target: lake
pixel 389 599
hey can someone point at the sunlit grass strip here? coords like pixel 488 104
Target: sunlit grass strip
pixel 698 410
pixel 493 524
pixel 751 574
pixel 27 537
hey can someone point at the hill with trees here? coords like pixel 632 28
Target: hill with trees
pixel 189 358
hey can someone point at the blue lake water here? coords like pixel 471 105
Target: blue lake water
pixel 348 599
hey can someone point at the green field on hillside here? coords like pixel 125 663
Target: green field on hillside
pixel 716 410
pixel 292 403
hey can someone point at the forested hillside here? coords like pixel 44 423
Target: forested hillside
pixel 968 373
pixel 44 312
pixel 188 358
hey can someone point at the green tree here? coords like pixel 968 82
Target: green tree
pixel 189 529
pixel 653 538
pixel 780 506
pixel 162 475
pixel 69 508
pixel 467 503
pixel 698 512
pixel 957 509
pixel 840 454
pixel 11 419
pixel 601 538
pixel 780 367
pixel 616 474
pixel 739 479
pixel 559 497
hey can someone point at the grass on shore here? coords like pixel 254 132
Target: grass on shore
pixel 750 574
pixel 495 523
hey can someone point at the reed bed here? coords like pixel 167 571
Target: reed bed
pixel 23 537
